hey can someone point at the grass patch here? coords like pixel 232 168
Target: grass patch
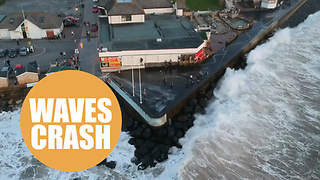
pixel 203 5
pixel 2 2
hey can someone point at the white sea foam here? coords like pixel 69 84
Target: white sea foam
pixel 263 124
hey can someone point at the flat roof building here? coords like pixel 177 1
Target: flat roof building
pixel 160 39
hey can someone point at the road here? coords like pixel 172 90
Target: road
pixel 47 52
pixel 89 58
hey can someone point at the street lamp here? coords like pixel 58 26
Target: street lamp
pixel 77 10
pixel 141 60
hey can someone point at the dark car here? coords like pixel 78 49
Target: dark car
pixel 14 52
pixel 94 27
pixel 4 52
pixel 24 51
pixel 7 69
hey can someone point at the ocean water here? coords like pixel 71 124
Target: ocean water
pixel 263 124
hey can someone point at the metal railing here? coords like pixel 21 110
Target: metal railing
pixel 135 106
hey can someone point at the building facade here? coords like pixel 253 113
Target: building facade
pixel 33 25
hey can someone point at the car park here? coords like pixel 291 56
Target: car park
pixel 24 51
pixel 4 52
pixel 95 9
pixel 14 52
pixel 94 27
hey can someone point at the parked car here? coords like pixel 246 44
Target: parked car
pixel 18 66
pixel 95 9
pixel 14 52
pixel 7 69
pixel 72 19
pixel 4 52
pixel 24 51
pixel 94 27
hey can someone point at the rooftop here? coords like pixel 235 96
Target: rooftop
pixel 175 33
pixel 60 68
pixel 41 19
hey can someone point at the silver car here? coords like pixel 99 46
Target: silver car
pixel 24 51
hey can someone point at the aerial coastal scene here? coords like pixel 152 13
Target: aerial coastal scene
pixel 208 89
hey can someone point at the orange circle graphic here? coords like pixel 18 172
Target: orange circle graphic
pixel 70 120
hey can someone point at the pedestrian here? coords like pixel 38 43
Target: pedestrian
pixel 85 23
pixel 164 80
pixel 144 92
pixel 8 62
pixel 64 36
pixel 72 34
pixel 171 85
pixel 18 42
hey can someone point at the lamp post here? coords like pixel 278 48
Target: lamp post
pixel 76 10
pixel 141 60
pixel 132 78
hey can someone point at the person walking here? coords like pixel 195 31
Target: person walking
pixel 18 42
pixel 7 62
pixel 72 34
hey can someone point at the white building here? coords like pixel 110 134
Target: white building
pixel 134 11
pixel 269 4
pixel 32 25
pixel 179 7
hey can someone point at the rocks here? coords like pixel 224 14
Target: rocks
pixel 10 102
pixel 153 144
pixel 183 117
pixel 19 101
pixel 103 162
pixel 132 141
pixel 162 132
pixel 146 133
pixel 147 160
pixel 193 102
pixel 111 164
pixel 203 102
pixel 187 109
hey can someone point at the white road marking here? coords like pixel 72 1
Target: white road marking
pixel 44 50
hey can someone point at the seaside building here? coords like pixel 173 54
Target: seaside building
pixel 146 33
pixel 30 74
pixel 32 25
pixel 4 81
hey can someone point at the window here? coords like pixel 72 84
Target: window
pixel 126 18
pixel 41 20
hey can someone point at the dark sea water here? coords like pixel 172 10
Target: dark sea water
pixel 263 124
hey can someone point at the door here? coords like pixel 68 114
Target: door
pixel 50 34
